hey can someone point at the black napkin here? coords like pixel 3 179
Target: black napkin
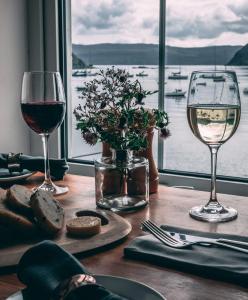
pixel 4 173
pixel 208 261
pixel 58 167
pixel 43 267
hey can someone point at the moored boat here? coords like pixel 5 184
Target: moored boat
pixel 81 88
pixel 78 73
pixel 177 76
pixel 141 74
pixel 176 93
pixel 245 90
pixel 219 78
pixel 213 76
pixel 232 87
pixel 208 76
pixel 83 73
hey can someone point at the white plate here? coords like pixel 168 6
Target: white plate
pixel 20 176
pixel 132 290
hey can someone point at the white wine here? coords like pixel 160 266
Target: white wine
pixel 213 124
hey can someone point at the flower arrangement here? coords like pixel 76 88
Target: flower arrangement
pixel 113 112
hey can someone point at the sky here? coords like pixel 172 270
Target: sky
pixel 189 23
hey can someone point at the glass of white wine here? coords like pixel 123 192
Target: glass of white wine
pixel 213 112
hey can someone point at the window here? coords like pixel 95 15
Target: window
pixel 199 35
pixel 118 33
pixel 203 35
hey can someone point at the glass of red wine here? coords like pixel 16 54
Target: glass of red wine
pixel 43 109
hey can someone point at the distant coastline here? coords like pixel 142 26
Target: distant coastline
pixel 147 54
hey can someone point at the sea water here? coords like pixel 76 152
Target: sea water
pixel 182 151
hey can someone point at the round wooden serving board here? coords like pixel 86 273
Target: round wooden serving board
pixel 115 228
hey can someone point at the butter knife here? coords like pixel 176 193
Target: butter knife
pixel 194 238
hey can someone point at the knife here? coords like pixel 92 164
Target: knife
pixel 194 238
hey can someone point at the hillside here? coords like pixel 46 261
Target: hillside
pixel 147 54
pixel 77 63
pixel 240 58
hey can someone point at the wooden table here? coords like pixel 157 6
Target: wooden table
pixel 171 207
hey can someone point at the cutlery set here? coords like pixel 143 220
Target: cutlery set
pixel 180 241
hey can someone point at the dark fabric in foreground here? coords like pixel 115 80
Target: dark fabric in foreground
pixel 58 167
pixel 43 267
pixel 207 261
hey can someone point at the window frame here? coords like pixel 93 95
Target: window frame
pixel 198 181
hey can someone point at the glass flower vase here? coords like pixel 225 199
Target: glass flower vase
pixel 122 181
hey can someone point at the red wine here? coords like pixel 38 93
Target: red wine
pixel 43 117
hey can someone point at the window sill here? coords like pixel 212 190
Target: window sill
pixel 176 180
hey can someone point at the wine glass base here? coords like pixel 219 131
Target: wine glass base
pixel 209 214
pixel 53 188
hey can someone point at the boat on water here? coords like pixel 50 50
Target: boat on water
pixel 83 73
pixel 219 79
pixel 176 93
pixel 232 87
pixel 216 78
pixel 141 74
pixel 201 83
pixel 245 91
pixel 208 76
pixel 79 73
pixel 177 76
pixel 140 67
pixel 81 88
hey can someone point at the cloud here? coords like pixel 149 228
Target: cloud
pixel 240 8
pixel 150 26
pixel 148 23
pixel 241 12
pixel 156 30
pixel 237 26
pixel 112 21
pixel 193 28
pixel 198 22
pixel 206 22
pixel 100 15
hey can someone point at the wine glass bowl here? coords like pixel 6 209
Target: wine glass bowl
pixel 213 112
pixel 43 109
pixel 43 117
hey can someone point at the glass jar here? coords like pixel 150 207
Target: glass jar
pixel 122 181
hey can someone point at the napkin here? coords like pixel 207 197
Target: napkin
pixel 4 173
pixel 58 167
pixel 208 261
pixel 44 266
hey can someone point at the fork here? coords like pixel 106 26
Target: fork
pixel 168 240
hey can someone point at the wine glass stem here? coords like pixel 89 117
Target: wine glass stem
pixel 45 138
pixel 214 150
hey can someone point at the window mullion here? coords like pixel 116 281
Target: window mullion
pixel 161 74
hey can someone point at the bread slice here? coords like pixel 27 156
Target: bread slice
pixel 14 221
pixel 47 211
pixel 84 226
pixel 18 198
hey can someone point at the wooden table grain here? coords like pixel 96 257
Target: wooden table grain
pixel 169 206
